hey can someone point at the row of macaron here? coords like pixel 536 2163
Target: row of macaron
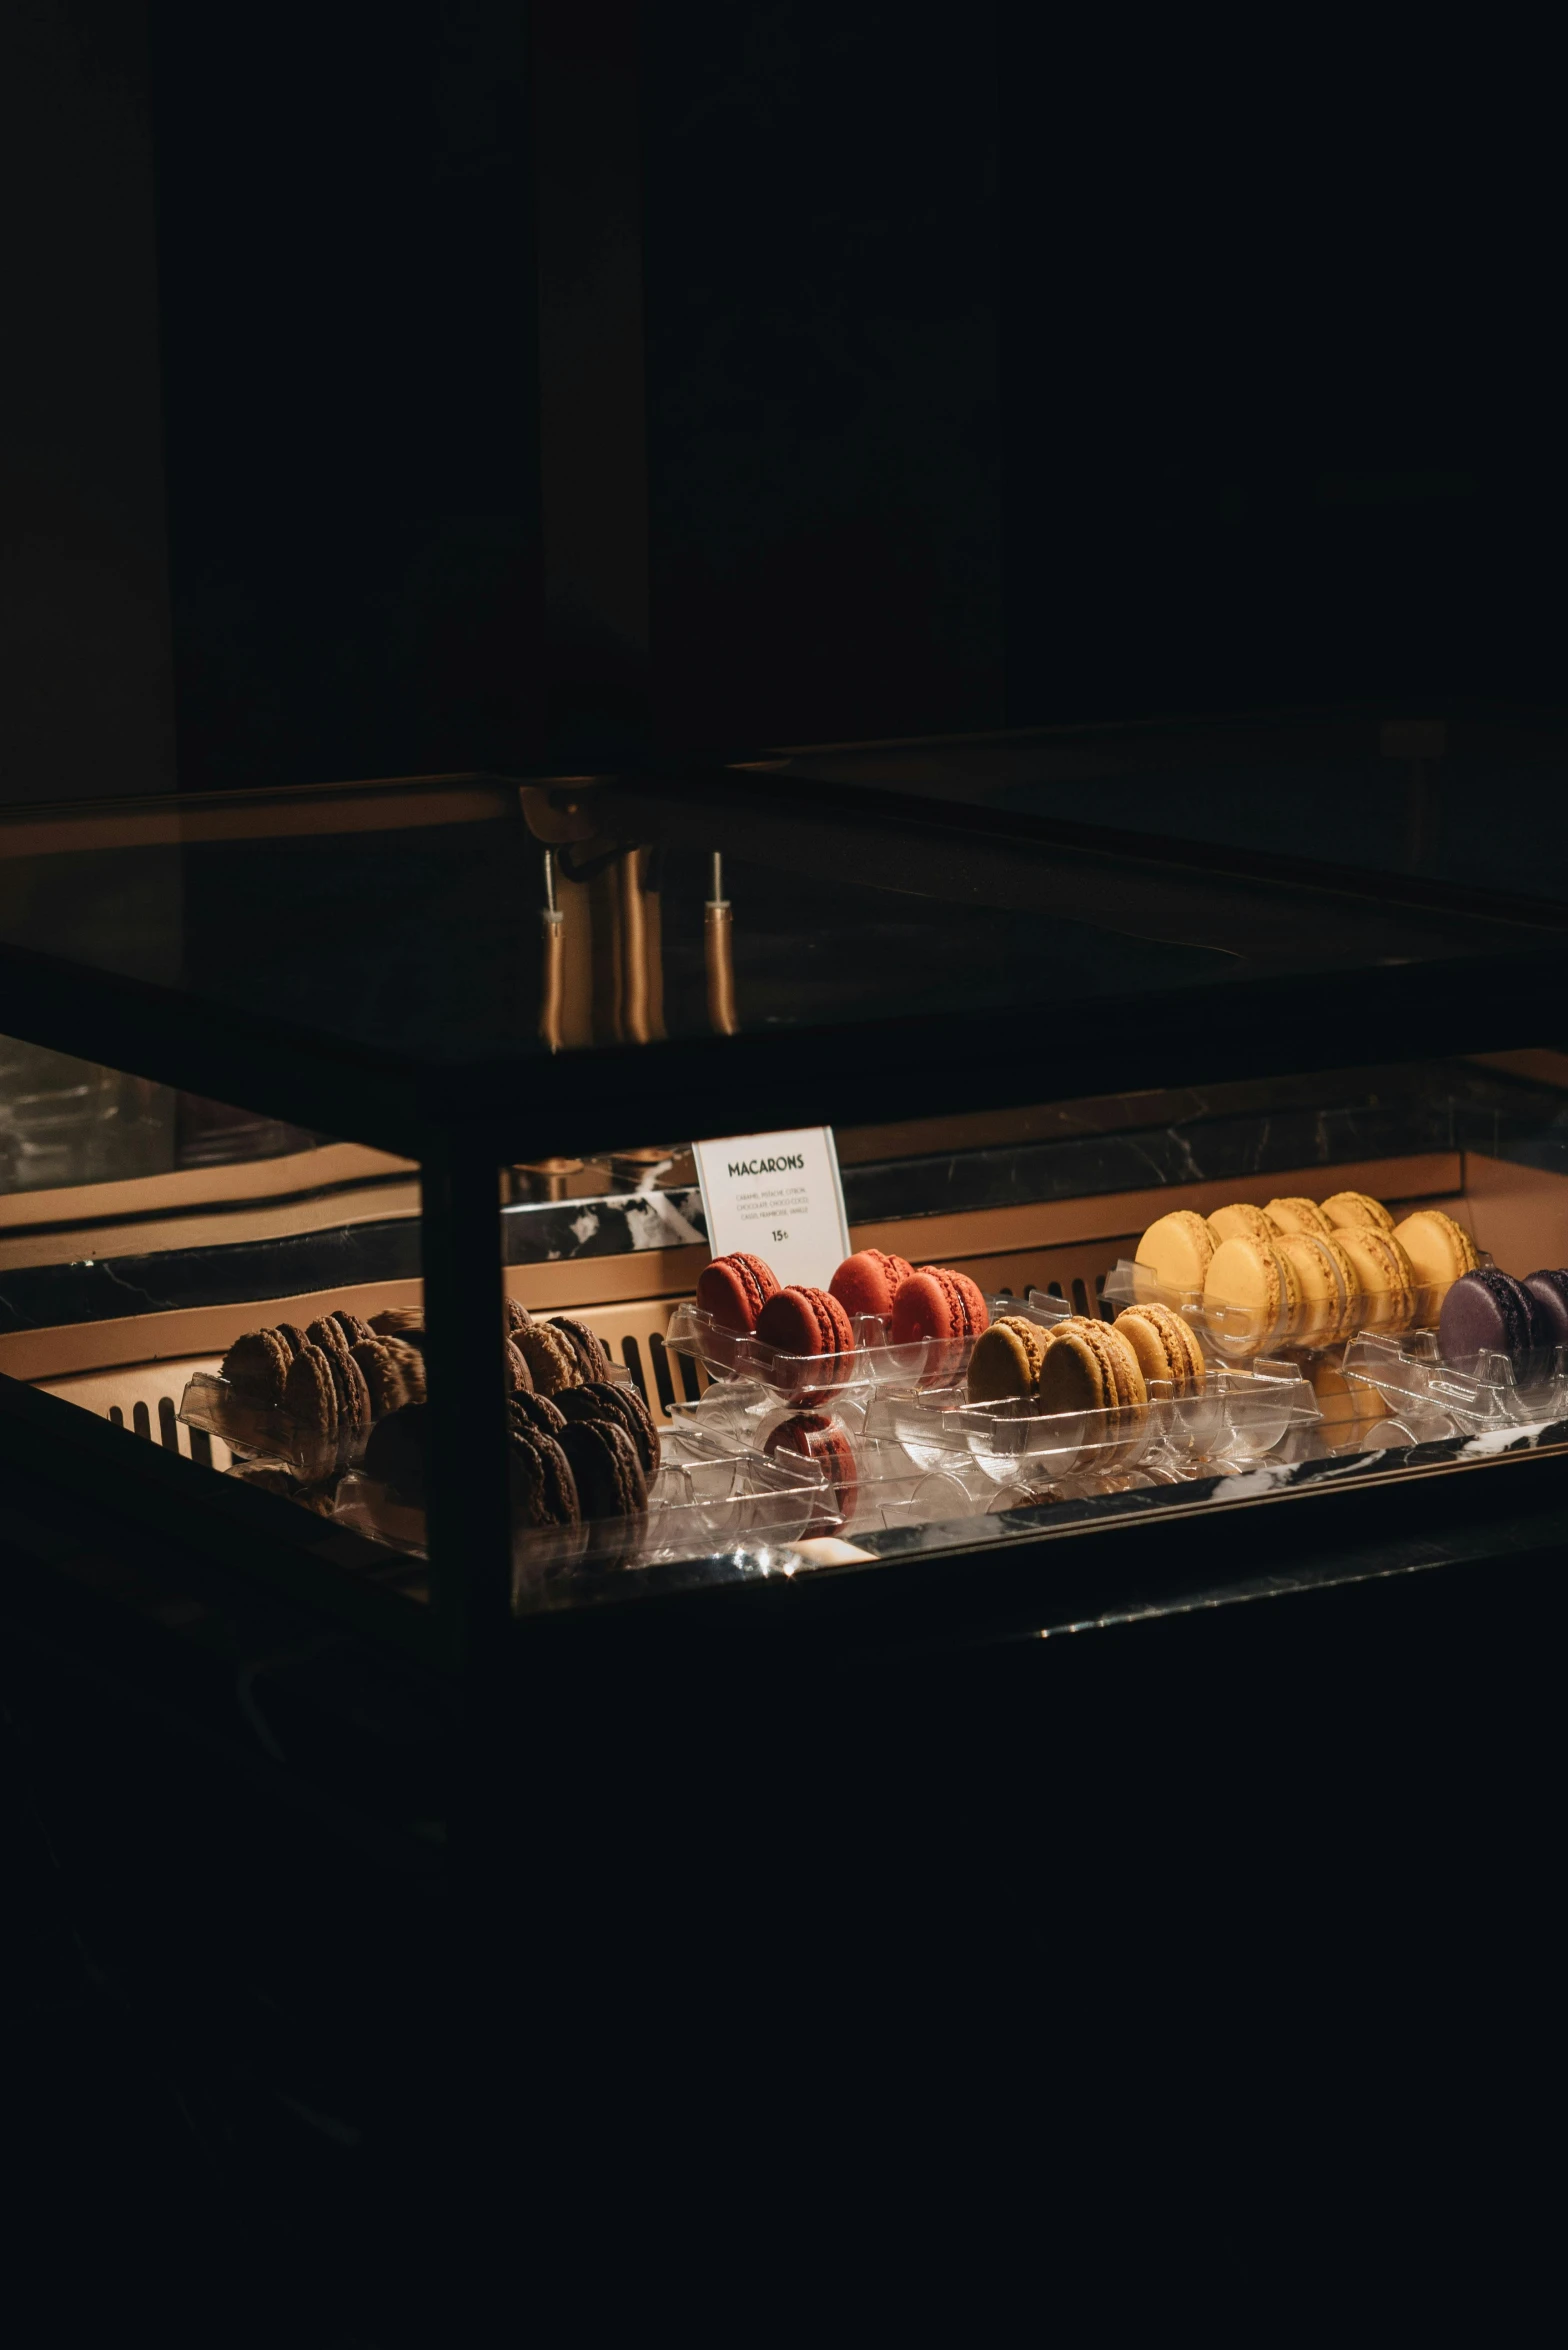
pixel 1081 1363
pixel 1308 1272
pixel 342 1374
pixel 590 1451
pixel 582 1446
pixel 741 1294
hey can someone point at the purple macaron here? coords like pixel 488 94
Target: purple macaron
pixel 1490 1312
pixel 1550 1292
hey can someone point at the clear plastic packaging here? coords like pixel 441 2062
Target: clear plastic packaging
pixel 1423 1399
pixel 702 1499
pixel 264 1431
pixel 1241 1416
pixel 810 1382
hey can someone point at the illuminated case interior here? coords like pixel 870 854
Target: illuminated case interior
pixel 474 1024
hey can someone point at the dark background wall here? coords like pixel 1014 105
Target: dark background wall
pixel 981 366
pixel 86 705
pixel 348 320
pixel 1282 376
pixel 822 262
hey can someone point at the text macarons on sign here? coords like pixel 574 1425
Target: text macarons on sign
pixel 776 1196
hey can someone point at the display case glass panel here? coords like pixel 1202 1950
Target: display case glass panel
pixel 1183 1155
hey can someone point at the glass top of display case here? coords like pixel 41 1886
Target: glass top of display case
pixel 457 953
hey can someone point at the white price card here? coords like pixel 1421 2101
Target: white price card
pixel 779 1197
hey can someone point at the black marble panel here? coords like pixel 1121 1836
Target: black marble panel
pixel 104 1288
pixel 1128 1143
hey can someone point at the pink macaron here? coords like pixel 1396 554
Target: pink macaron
pixel 946 1309
pixel 810 1322
pixel 868 1282
pixel 734 1290
pixel 816 1438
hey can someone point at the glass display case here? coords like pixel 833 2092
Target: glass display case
pixel 1216 1179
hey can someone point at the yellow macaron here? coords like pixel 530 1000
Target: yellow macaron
pixel 1241 1221
pixel 1319 1285
pixel 1297 1215
pixel 1387 1277
pixel 1252 1292
pixel 1440 1251
pixel 1352 1208
pixel 1176 1249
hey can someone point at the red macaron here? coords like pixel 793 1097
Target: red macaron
pixel 868 1282
pixel 823 1441
pixel 802 1321
pixel 734 1290
pixel 943 1307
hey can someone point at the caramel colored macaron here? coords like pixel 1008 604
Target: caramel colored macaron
pixel 1356 1208
pixel 1087 1367
pixel 1165 1344
pixel 1352 1308
pixel 1250 1276
pixel 551 1361
pixel 1007 1358
pixel 1440 1252
pixel 1241 1221
pixel 1176 1249
pixel 1319 1284
pixel 1386 1275
pixel 1297 1215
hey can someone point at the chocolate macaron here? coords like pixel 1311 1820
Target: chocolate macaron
pixel 600 1399
pixel 328 1338
pixel 610 1482
pixel 310 1394
pixel 587 1350
pixel 537 1412
pixel 395 1453
pixel 406 1322
pixel 544 1487
pixel 394 1374
pixel 257 1366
